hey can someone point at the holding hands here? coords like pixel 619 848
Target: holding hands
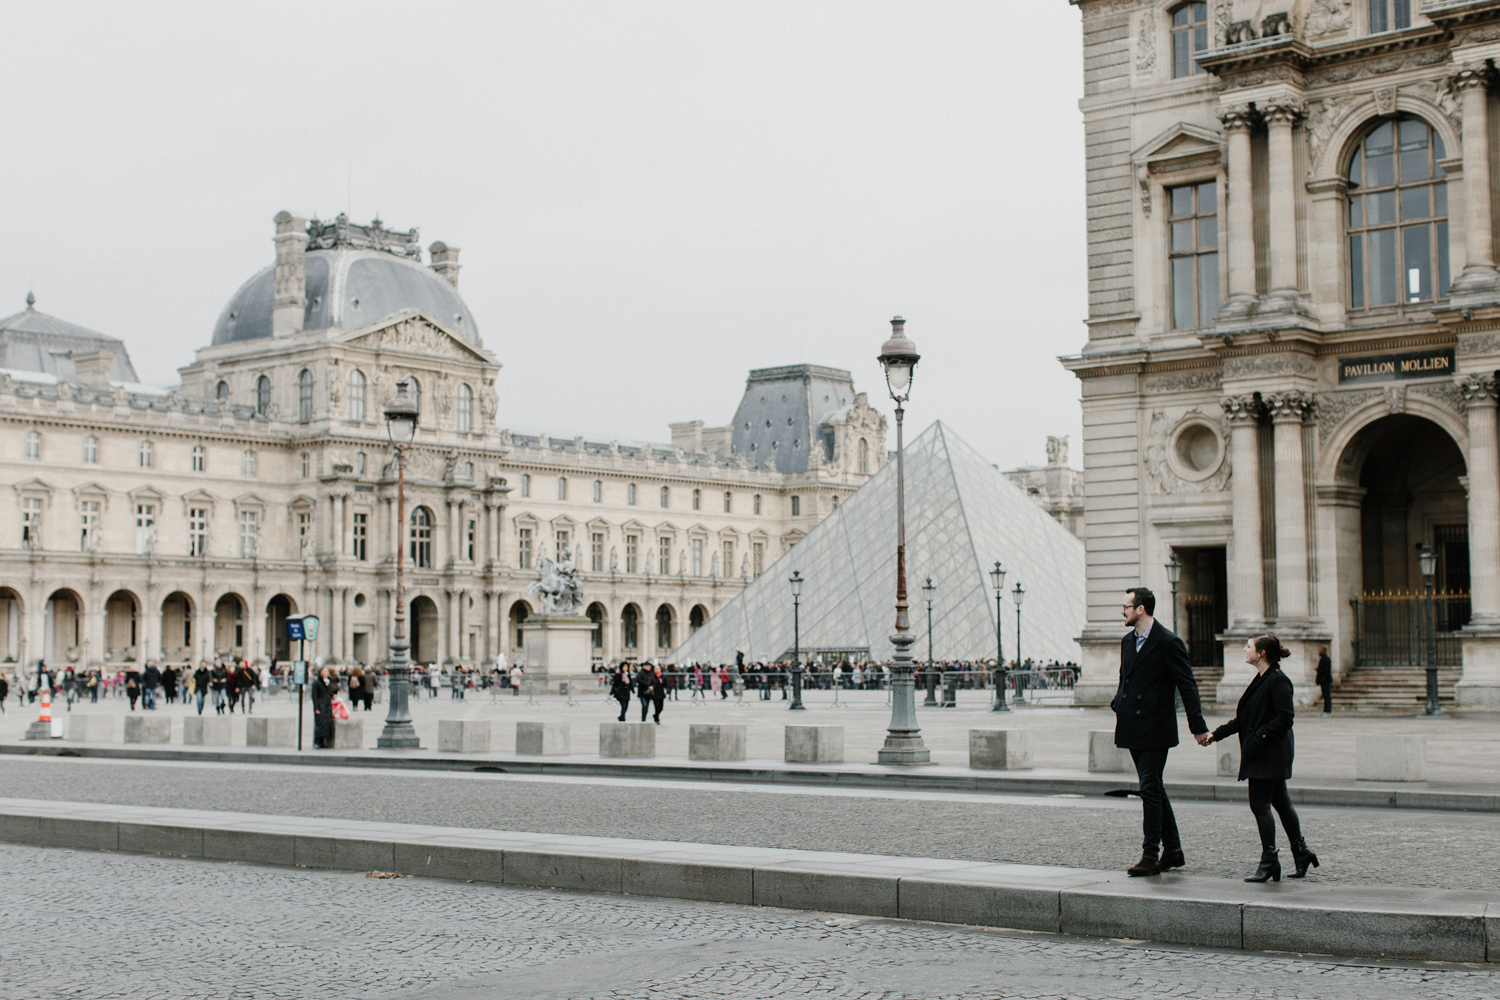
pixel 1204 739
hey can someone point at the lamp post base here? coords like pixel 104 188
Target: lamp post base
pixel 398 733
pixel 903 740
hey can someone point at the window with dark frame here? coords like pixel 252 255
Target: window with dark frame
pixel 1189 37
pixel 1398 216
pixel 361 536
pixel 1193 223
pixel 1389 15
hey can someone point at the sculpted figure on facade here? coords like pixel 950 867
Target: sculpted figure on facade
pixel 1477 389
pixel 335 384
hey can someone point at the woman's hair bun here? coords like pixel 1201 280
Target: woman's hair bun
pixel 1272 647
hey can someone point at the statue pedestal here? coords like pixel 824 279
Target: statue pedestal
pixel 558 644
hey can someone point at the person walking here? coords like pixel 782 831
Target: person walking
pixel 1153 663
pixel 150 685
pixel 645 681
pixel 201 679
pixel 658 693
pixel 219 684
pixel 1324 679
pixel 1263 721
pixel 515 680
pixel 4 692
pixel 619 687
pixel 132 686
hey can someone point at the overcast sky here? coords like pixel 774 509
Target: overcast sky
pixel 651 198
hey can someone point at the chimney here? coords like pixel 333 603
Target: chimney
pixel 94 368
pixel 291 275
pixel 688 436
pixel 445 261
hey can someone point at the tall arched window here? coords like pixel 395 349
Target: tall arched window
pixel 356 395
pixel 421 538
pixel 222 391
pixel 1189 37
pixel 465 408
pixel 263 396
pixel 1398 216
pixel 415 388
pixel 864 457
pixel 664 627
pixel 91 450
pixel 562 487
pixel 304 395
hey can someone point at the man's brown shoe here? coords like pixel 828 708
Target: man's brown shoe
pixel 1171 859
pixel 1145 866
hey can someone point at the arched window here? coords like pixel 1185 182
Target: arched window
pixel 666 496
pixel 222 391
pixel 1189 37
pixel 91 450
pixel 630 494
pixel 598 491
pixel 421 538
pixel 697 499
pixel 1398 216
pixel 146 455
pixel 796 506
pixel 664 627
pixel 728 502
pixel 304 395
pixel 465 408
pixel 526 484
pixel 198 458
pixel 415 388
pixel 562 487
pixel 469 471
pixel 263 396
pixel 33 444
pixel 864 457
pixel 356 395
pixel 630 627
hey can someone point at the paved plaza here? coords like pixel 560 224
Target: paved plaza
pixel 118 926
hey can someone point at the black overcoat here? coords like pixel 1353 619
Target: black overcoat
pixel 1263 720
pixel 1145 704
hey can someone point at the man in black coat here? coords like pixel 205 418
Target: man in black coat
pixel 1153 669
pixel 1324 678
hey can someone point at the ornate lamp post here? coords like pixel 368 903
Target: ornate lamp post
pixel 796 582
pixel 1174 573
pixel 1002 676
pixel 1016 595
pixel 401 423
pixel 903 740
pixel 928 589
pixel 1428 561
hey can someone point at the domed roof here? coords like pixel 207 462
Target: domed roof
pixel 349 288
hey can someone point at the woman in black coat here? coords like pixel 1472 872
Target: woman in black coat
pixel 619 688
pixel 323 687
pixel 1263 720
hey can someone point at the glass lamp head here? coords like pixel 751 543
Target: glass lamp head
pixel 1017 594
pixel 928 589
pixel 401 415
pixel 1174 570
pixel 1428 561
pixel 997 576
pixel 899 357
pixel 796 581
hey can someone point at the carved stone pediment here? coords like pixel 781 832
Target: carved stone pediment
pixel 415 333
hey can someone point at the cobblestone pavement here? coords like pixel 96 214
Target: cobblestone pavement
pixel 110 926
pixel 1402 847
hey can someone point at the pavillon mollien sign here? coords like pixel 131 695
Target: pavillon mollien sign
pixel 1389 367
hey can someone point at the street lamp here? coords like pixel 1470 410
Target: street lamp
pixel 796 582
pixel 1174 573
pixel 1002 676
pixel 401 415
pixel 1428 560
pixel 1016 595
pixel 903 740
pixel 928 589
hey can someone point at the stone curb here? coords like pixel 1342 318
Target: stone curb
pixel 1310 918
pixel 1364 794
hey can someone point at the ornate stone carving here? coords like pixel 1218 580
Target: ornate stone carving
pixel 1145 42
pixel 1106 7
pixel 1185 381
pixel 1236 116
pixel 489 401
pixel 558 587
pixel 1223 12
pixel 418 337
pixel 1395 399
pixel 1326 17
pixel 1243 408
pixel 1287 111
pixel 442 397
pixel 1268 364
pixel 1478 389
pixel 1293 405
pixel 1323 117
pixel 1445 394
pixel 1276 24
pixel 343 233
pixel 1057 450
pixel 1385 100
pixel 1441 94
pixel 335 384
pixel 1239 31
pixel 1472 344
pixel 1159 471
pixel 1379 67
pixel 1469 75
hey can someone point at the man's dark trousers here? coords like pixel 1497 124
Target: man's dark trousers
pixel 1158 822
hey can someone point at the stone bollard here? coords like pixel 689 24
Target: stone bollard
pixel 207 730
pixel 271 731
pixel 348 734
pixel 544 738
pixel 1105 757
pixel 91 728
pixel 1390 758
pixel 627 739
pixel 814 745
pixel 721 741
pixel 1228 753
pixel 1000 749
pixel 464 735
pixel 148 729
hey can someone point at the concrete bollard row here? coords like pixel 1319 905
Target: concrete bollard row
pixel 544 738
pixel 148 729
pixel 271 731
pixel 627 739
pixel 1390 758
pixel 464 735
pixel 207 730
pixel 1000 749
pixel 814 745
pixel 716 741
pixel 1105 757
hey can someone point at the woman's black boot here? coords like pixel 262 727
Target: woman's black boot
pixel 1302 857
pixel 1270 867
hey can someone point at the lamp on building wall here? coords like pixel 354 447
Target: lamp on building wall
pixel 928 589
pixel 1427 559
pixel 796 582
pixel 1174 573
pixel 401 415
pixel 903 740
pixel 1002 676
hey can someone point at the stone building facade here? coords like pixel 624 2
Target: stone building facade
pixel 1055 487
pixel 174 524
pixel 1293 330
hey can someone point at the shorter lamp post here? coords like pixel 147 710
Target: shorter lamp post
pixel 928 589
pixel 1002 676
pixel 1428 560
pixel 796 582
pixel 1174 573
pixel 1016 595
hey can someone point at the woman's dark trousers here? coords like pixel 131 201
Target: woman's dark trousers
pixel 1267 794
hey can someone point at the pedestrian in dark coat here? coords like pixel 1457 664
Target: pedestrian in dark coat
pixel 132 686
pixel 201 680
pixel 1324 679
pixel 658 693
pixel 1263 721
pixel 619 688
pixel 645 688
pixel 323 688
pixel 1153 671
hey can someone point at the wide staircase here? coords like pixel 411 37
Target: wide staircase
pixel 1392 688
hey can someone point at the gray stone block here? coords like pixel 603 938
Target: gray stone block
pixel 207 730
pixel 1377 930
pixel 709 880
pixel 348 734
pixel 1228 756
pixel 345 854
pixel 627 739
pixel 1105 757
pixel 469 864
pixel 544 737
pixel 148 729
pixel 16 829
pixel 153 838
pixel 1150 913
pixel 800 887
pixel 1000 749
pixel 84 834
pixel 251 846
pixel 722 741
pixel 271 731
pixel 814 745
pixel 92 728
pixel 960 901
pixel 1390 758
pixel 464 735
pixel 561 870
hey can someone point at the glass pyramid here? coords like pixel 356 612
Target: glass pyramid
pixel 961 516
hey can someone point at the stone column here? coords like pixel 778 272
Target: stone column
pixel 1246 597
pixel 1479 273
pixel 1484 500
pixel 1280 119
pixel 344 631
pixel 1288 411
pixel 1239 238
